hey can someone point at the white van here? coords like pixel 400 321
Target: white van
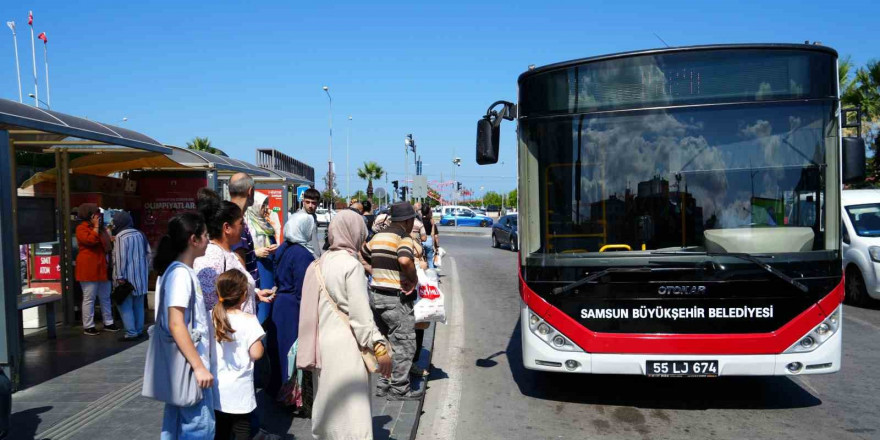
pixel 860 245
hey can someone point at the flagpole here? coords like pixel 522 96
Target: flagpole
pixel 46 57
pixel 11 25
pixel 34 57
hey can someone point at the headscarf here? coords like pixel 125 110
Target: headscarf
pixel 300 229
pixel 256 222
pixel 347 232
pixel 121 222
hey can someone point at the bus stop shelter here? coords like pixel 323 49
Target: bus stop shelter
pixel 286 174
pixel 29 129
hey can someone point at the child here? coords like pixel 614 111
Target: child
pixel 239 336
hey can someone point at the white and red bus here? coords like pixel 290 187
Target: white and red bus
pixel 679 211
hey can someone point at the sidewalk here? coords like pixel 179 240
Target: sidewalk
pixel 102 401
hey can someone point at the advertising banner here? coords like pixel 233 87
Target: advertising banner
pixel 164 195
pixel 276 210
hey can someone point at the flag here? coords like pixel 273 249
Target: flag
pixel 42 36
pixel 31 18
pixel 11 25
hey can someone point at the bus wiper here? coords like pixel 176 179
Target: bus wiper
pixel 746 257
pixel 596 275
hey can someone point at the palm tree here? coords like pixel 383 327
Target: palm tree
pixel 203 144
pixel 369 172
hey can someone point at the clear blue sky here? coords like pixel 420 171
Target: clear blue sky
pixel 250 75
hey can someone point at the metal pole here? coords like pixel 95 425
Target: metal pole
pixel 62 189
pixel 347 167
pixel 330 159
pixel 11 25
pixel 46 57
pixel 10 285
pixel 34 56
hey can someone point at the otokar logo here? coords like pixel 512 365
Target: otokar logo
pixel 681 290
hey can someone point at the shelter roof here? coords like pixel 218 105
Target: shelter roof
pixel 37 129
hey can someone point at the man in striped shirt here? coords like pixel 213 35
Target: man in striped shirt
pixel 389 258
pixel 131 259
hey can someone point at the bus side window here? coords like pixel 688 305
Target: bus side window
pixel 844 233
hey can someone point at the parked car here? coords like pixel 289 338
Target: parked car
pixel 324 216
pixel 479 211
pixel 860 236
pixel 465 217
pixel 443 211
pixel 505 232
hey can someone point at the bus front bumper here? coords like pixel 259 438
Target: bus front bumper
pixel 538 355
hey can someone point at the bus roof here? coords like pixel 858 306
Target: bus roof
pixel 761 46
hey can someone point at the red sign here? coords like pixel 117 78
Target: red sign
pixel 47 267
pixel 163 196
pixel 276 207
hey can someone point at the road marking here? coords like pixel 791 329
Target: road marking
pixel 861 321
pixel 448 404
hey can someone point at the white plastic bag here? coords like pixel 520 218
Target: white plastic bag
pixel 429 306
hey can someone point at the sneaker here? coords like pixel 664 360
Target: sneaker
pixel 410 395
pixel 265 435
pixel 128 338
pixel 111 328
pixel 418 372
pixel 91 331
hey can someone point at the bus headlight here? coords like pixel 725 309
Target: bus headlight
pixel 550 335
pixel 821 333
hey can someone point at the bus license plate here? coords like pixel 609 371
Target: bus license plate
pixel 682 368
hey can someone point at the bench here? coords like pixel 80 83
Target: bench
pixel 48 300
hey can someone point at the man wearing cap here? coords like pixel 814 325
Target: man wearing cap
pixel 389 258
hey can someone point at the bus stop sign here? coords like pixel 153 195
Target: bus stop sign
pixel 300 190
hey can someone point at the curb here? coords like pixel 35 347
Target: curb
pixel 468 233
pixel 424 363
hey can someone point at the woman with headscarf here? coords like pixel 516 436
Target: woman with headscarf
pixel 342 401
pixel 292 259
pixel 265 231
pixel 131 259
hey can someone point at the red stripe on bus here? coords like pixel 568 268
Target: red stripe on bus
pixel 774 342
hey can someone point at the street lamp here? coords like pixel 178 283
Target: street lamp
pixel 44 102
pixel 347 169
pixel 330 159
pixel 457 162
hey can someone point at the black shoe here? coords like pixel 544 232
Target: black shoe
pixel 127 338
pixel 111 328
pixel 381 392
pixel 91 331
pixel 410 395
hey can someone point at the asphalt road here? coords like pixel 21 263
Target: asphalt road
pixel 480 390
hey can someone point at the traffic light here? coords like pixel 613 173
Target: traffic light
pixel 394 182
pixel 404 189
pixel 458 186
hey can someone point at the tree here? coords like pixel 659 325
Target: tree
pixel 511 198
pixel 204 144
pixel 369 172
pixel 863 90
pixel 492 198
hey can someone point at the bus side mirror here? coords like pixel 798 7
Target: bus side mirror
pixel 487 142
pixel 853 160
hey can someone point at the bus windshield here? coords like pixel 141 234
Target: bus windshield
pixel 746 177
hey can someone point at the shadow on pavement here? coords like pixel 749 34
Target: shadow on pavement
pixel 44 359
pixel 25 424
pixel 379 430
pixel 655 393
pixel 487 362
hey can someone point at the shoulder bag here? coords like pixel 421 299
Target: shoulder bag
pixel 370 360
pixel 168 376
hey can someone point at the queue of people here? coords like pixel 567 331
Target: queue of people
pixel 234 289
